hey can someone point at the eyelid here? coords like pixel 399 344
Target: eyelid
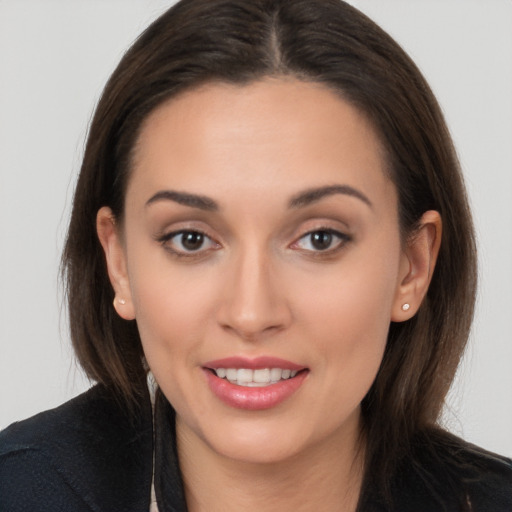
pixel 170 227
pixel 343 239
pixel 168 236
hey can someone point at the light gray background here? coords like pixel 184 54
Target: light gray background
pixel 55 57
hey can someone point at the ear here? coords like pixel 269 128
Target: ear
pixel 417 266
pixel 110 239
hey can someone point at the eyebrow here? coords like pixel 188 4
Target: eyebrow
pixel 186 199
pixel 313 195
pixel 300 200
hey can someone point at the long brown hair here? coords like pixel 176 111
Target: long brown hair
pixel 324 41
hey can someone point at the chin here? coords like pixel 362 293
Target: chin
pixel 248 437
pixel 259 447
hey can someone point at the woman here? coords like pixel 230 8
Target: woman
pixel 271 219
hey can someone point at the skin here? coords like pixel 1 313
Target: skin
pixel 259 286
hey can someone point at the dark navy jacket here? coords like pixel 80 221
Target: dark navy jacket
pixel 90 455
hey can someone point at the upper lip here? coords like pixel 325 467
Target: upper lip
pixel 256 363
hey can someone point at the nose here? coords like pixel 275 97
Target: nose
pixel 254 301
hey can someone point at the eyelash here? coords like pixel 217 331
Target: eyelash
pixel 166 241
pixel 342 239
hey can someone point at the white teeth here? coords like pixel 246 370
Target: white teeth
pixel 221 372
pixel 276 374
pixel 261 376
pixel 231 373
pixel 244 375
pixel 254 378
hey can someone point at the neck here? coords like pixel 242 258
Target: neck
pixel 325 477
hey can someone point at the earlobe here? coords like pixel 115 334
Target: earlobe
pixel 108 234
pixel 417 266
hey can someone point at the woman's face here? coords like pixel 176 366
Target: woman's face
pixel 260 244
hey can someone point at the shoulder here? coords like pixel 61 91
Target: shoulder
pixel 457 475
pixel 485 477
pixel 84 455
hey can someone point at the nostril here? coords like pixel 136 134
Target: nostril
pixel 254 332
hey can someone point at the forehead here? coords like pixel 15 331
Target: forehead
pixel 240 135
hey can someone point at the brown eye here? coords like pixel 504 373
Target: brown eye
pixel 192 240
pixel 188 242
pixel 322 240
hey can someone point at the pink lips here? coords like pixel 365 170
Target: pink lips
pixel 253 364
pixel 253 398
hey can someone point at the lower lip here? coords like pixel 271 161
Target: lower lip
pixel 254 399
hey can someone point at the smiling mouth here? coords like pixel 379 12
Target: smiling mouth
pixel 254 378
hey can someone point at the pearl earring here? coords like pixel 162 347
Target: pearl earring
pixel 120 301
pixel 405 306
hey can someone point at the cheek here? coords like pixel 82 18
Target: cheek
pixel 171 306
pixel 172 319
pixel 349 338
pixel 349 327
pixel 356 298
pixel 165 312
pixel 347 315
